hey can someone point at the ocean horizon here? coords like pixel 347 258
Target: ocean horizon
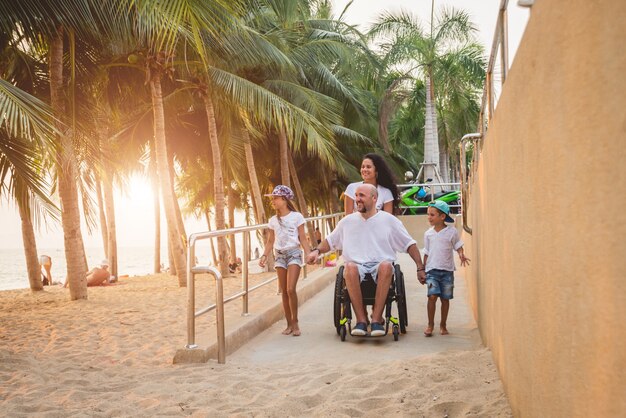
pixel 131 261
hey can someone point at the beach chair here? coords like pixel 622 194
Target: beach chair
pixel 396 297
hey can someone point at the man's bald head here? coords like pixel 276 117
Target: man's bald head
pixel 370 189
pixel 365 198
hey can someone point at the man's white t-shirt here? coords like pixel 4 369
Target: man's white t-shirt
pixel 384 194
pixel 286 231
pixel 439 247
pixel 370 240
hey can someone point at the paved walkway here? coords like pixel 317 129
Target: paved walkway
pixel 319 339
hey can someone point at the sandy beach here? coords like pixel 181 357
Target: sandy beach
pixel 111 355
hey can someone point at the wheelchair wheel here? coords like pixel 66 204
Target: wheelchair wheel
pixel 338 303
pixel 401 300
pixel 395 333
pixel 342 332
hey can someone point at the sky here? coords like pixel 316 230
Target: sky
pixel 134 214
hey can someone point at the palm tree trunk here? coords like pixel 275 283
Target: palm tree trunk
pixel 179 217
pixel 301 200
pixel 218 184
pixel 157 210
pixel 30 246
pixel 170 255
pixel 334 195
pixel 431 137
pixel 67 176
pixel 208 222
pixel 103 220
pixel 255 189
pixel 109 205
pixel 178 253
pixel 283 146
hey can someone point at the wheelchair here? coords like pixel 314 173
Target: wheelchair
pixel 343 307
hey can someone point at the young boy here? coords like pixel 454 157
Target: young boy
pixel 440 242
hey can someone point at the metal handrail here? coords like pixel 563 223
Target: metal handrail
pixel 487 106
pixel 464 186
pixel 193 269
pixel 500 42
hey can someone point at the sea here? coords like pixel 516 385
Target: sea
pixel 132 261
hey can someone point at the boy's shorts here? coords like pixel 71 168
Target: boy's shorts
pixel 440 283
pixel 286 258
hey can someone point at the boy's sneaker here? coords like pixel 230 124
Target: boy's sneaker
pixel 359 330
pixel 378 330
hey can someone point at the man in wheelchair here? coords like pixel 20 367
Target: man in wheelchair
pixel 369 240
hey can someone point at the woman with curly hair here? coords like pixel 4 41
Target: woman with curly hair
pixel 374 171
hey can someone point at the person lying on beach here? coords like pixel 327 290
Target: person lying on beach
pixel 45 264
pixel 97 276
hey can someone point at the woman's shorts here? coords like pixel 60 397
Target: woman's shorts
pixel 286 258
pixel 440 283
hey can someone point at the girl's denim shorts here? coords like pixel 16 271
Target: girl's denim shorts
pixel 288 257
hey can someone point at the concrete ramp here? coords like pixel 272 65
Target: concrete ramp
pixel 319 341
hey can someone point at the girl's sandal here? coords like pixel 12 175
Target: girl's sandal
pixel 428 332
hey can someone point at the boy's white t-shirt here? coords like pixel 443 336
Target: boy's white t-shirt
pixel 286 231
pixel 440 247
pixel 384 194
pixel 375 239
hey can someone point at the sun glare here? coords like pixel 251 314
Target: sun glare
pixel 134 211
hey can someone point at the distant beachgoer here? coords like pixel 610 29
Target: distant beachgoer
pixel 440 242
pixel 318 236
pixel 236 266
pixel 374 171
pixel 286 234
pixel 45 264
pixel 97 276
pixel 256 253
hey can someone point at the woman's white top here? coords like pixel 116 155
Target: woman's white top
pixel 384 194
pixel 286 230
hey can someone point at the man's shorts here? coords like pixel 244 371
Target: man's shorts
pixel 288 257
pixel 440 283
pixel 371 268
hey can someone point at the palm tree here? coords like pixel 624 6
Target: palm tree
pixel 160 29
pixel 43 25
pixel 26 134
pixel 450 40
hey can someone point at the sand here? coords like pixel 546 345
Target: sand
pixel 111 355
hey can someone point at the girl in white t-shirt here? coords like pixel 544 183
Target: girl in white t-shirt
pixel 374 171
pixel 286 234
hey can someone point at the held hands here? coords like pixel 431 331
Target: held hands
pixel 312 256
pixel 263 261
pixel 421 276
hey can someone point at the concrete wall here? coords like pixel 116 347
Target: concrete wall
pixel 548 211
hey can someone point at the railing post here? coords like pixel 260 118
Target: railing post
pixel 219 301
pixel 191 297
pixel 244 272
